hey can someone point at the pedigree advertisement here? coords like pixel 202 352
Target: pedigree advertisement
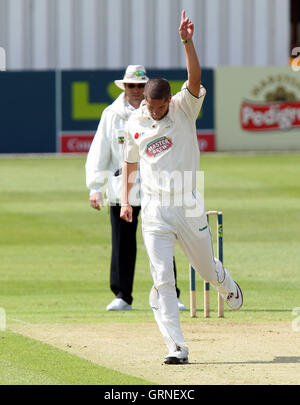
pixel 257 108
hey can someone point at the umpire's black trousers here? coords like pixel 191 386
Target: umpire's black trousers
pixel 123 255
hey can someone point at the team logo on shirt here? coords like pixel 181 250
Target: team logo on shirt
pixel 158 146
pixel 121 140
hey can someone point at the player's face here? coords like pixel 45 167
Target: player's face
pixel 134 93
pixel 158 108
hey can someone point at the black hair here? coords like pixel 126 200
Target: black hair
pixel 157 89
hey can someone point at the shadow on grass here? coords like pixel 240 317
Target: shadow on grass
pixel 276 360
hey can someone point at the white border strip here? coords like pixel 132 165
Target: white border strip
pixel 2 59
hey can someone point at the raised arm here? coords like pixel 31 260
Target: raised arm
pixel 186 31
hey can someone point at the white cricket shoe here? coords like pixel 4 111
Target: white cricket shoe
pixel 180 356
pixel 118 305
pixel 235 299
pixel 181 305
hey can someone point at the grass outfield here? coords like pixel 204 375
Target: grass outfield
pixel 55 254
pixel 25 361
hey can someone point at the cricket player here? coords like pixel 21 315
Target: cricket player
pixel 161 136
pixel 104 160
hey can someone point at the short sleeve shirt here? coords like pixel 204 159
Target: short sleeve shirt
pixel 167 149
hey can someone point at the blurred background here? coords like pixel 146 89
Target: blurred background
pixel 93 34
pixel 62 57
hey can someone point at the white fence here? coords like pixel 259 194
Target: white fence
pixel 66 34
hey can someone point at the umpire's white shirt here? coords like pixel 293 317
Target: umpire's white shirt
pixel 105 157
pixel 168 148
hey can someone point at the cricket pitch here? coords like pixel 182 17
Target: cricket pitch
pixel 220 352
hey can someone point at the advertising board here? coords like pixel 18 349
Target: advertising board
pixel 257 108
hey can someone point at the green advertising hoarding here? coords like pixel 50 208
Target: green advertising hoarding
pixel 85 94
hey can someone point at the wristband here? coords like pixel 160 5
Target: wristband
pixel 125 205
pixel 186 41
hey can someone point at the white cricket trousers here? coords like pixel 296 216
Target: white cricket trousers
pixel 162 226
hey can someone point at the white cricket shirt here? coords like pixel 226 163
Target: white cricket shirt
pixel 105 157
pixel 167 149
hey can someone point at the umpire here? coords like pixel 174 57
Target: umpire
pixel 104 161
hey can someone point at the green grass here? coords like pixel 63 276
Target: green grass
pixel 55 250
pixel 26 361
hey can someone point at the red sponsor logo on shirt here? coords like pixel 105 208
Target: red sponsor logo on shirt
pixel 270 116
pixel 158 146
